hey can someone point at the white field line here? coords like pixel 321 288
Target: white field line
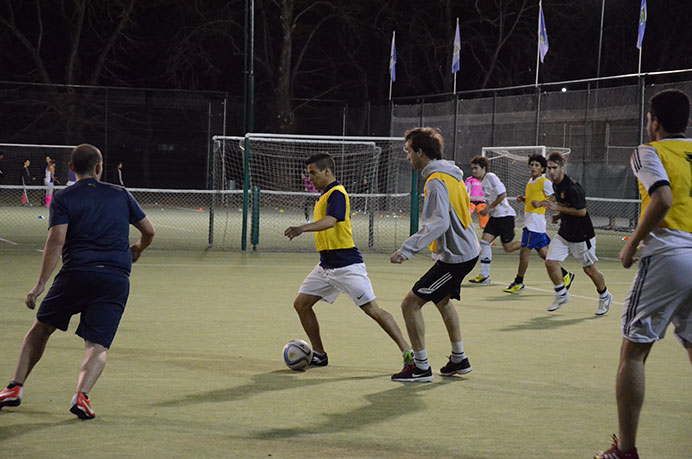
pixel 9 242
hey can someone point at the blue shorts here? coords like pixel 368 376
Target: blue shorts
pixel 98 296
pixel 534 240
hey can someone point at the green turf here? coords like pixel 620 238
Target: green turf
pixel 196 369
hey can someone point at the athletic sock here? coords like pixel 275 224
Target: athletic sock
pixel 13 384
pixel 519 280
pixel 604 294
pixel 457 352
pixel 560 290
pixel 420 358
pixel 486 258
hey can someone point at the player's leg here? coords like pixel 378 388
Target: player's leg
pixel 585 252
pixel 629 391
pixel 420 370
pixel 458 362
pixel 486 255
pixel 92 366
pixel 308 319
pixel 518 284
pixel 29 354
pixel 557 253
pixel 386 321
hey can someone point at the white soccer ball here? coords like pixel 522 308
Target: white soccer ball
pixel 297 354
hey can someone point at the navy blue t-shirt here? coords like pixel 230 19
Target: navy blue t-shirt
pixel 98 217
pixel 336 207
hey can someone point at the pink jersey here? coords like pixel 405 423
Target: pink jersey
pixel 309 187
pixel 473 186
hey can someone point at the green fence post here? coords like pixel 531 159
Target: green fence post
pixel 254 230
pixel 246 194
pixel 414 202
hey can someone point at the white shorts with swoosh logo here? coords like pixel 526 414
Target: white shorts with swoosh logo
pixel 351 280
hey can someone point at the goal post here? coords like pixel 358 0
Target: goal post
pixel 269 171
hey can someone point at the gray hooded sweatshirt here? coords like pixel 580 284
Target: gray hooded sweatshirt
pixel 455 244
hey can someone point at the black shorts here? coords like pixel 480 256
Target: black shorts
pixel 443 280
pixel 98 296
pixel 501 226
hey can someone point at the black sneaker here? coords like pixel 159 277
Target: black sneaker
pixel 452 368
pixel 319 360
pixel 568 279
pixel 412 373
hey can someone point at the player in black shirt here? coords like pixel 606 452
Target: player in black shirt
pixel 576 235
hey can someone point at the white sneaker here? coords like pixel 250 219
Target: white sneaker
pixel 559 302
pixel 604 304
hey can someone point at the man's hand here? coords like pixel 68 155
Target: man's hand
pixel 521 198
pixel 627 257
pixel 484 211
pixel 293 231
pixel 551 205
pixel 397 258
pixel 136 252
pixel 33 294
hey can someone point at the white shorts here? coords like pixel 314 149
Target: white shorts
pixel 661 294
pixel 351 280
pixel 585 251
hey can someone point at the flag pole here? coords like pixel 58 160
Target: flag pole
pixel 391 64
pixel 639 69
pixel 538 42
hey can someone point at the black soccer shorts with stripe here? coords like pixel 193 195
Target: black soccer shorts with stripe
pixel 442 280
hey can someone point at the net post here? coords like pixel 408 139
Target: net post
pixel 246 193
pixel 211 157
pixel 254 230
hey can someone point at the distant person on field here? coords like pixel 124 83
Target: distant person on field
pixel 27 180
pixel 71 178
pixel 534 236
pixel 49 180
pixel 661 293
pixel 446 229
pixel 501 222
pixel 475 190
pixel 89 224
pixel 117 175
pixel 575 236
pixel 341 268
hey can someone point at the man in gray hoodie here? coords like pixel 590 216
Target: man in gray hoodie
pixel 447 230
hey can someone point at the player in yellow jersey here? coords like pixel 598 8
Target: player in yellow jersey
pixel 661 293
pixel 447 230
pixel 534 236
pixel 341 268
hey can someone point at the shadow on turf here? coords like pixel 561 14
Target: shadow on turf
pixel 17 430
pixel 546 322
pixel 261 383
pixel 383 406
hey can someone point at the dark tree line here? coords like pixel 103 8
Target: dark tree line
pixel 336 49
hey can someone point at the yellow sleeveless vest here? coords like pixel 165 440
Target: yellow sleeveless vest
pixel 458 198
pixel 340 236
pixel 676 157
pixel 534 191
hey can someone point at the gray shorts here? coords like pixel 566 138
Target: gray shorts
pixel 661 294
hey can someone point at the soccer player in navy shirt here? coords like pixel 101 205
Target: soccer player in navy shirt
pixel 89 224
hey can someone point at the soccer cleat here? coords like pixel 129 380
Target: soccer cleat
pixel 81 406
pixel 480 279
pixel 319 360
pixel 615 453
pixel 412 373
pixel 513 288
pixel 568 279
pixel 559 302
pixel 408 358
pixel 11 397
pixel 460 368
pixel 604 304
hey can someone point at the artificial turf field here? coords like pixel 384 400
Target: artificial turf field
pixel 196 369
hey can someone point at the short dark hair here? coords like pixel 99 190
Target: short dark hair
pixel 558 158
pixel 322 161
pixel 84 158
pixel 672 109
pixel 428 140
pixel 480 161
pixel 539 159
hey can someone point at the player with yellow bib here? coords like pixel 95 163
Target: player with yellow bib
pixel 341 268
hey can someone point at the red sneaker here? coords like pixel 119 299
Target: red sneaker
pixel 81 406
pixel 11 397
pixel 615 453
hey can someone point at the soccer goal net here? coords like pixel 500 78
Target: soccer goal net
pixel 264 187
